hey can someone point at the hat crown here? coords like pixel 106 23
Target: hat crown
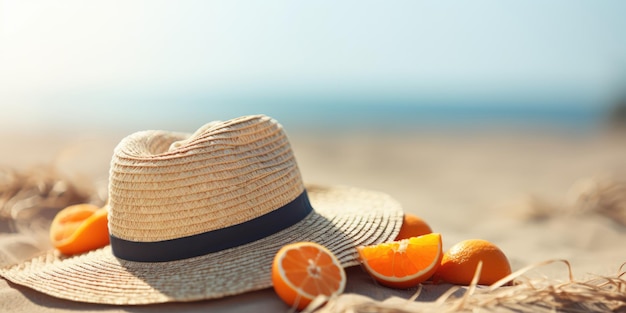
pixel 166 185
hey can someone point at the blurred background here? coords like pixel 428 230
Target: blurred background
pixel 444 65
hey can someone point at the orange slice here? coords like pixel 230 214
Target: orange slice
pixel 302 271
pixel 404 263
pixel 413 226
pixel 79 228
pixel 460 261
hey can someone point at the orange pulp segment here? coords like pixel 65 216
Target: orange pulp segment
pixel 413 226
pixel 302 271
pixel 79 228
pixel 404 263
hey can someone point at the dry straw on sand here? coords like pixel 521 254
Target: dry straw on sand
pixel 600 294
pixel 29 199
pixel 600 195
pixel 605 196
pixel 26 193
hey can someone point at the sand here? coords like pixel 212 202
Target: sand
pixel 520 190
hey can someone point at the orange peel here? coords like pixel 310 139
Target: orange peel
pixel 80 228
pixel 413 226
pixel 459 263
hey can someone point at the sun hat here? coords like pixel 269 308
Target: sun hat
pixel 201 216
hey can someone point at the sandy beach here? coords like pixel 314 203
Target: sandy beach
pixel 522 191
pixel 489 186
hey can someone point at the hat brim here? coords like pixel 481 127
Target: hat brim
pixel 343 218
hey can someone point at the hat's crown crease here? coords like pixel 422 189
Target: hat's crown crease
pixel 232 160
pixel 149 152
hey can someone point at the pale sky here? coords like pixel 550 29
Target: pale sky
pixel 134 51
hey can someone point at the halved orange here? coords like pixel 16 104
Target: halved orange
pixel 404 263
pixel 79 228
pixel 302 271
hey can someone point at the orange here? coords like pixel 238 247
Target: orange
pixel 302 271
pixel 459 263
pixel 413 226
pixel 79 228
pixel 404 263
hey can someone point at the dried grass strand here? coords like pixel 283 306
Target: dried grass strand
pixel 600 294
pixel 605 196
pixel 25 193
pixel 417 293
pixel 511 277
pixel 471 288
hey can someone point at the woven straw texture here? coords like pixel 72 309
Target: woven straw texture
pixel 167 185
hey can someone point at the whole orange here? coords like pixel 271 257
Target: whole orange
pixel 413 226
pixel 460 261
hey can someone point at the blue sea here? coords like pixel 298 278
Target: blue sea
pixel 389 114
pixel 322 113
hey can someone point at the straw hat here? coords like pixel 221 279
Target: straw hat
pixel 201 216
